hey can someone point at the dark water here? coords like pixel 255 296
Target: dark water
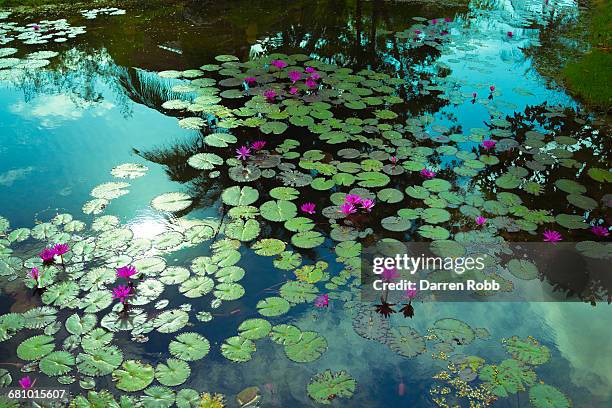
pixel 98 104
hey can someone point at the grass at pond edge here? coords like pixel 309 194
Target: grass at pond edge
pixel 589 76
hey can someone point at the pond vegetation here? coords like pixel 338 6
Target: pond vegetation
pixel 210 254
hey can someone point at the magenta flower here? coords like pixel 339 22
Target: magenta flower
pixel 434 21
pixel 321 301
pixel 270 94
pixel 35 274
pixel 552 236
pixel 393 160
pixel 348 209
pixel 488 144
pixel 474 95
pixel 367 204
pixel 492 88
pixel 447 19
pixel 417 32
pixel 61 249
pixel 26 383
pixel 243 153
pixel 250 80
pixel 47 255
pixel 311 83
pixel 121 293
pixel 293 90
pixel 280 64
pixel 258 145
pixel 389 274
pixel 510 34
pixel 308 208
pixel 600 231
pixel 310 70
pixel 480 220
pixel 410 293
pixel 428 174
pixel 443 32
pixel 36 27
pixel 315 76
pixel 294 76
pixel 352 199
pixel 126 271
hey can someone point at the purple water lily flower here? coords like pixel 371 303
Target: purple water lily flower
pixel 308 208
pixel 488 144
pixel 293 90
pixel 393 160
pixel 600 231
pixel 126 271
pixel 61 249
pixel 367 204
pixel 348 209
pixel 410 293
pixel 311 83
pixel 122 293
pixel 280 64
pixel 480 220
pixel 310 70
pixel 417 32
pixel 294 76
pixel 509 34
pixel 447 19
pixel 35 273
pixel 250 80
pixel 444 32
pixel 270 94
pixel 258 145
pixel 352 199
pixel 322 301
pixel 26 383
pixel 243 153
pixel 552 236
pixel 428 174
pixel 47 255
pixel 389 274
pixel 434 21
pixel 492 88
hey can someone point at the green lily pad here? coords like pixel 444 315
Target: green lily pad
pixel 328 385
pixel 133 376
pixel 273 306
pixel 35 347
pixel 189 346
pixel 173 373
pixel 547 396
pixel 238 349
pixel 254 329
pixel 308 349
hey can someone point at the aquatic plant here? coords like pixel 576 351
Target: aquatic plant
pixel 322 301
pixel 26 383
pixel 480 220
pixel 308 208
pixel 243 153
pixel 600 231
pixel 325 387
pixel 552 236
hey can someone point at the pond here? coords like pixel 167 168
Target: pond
pixel 191 190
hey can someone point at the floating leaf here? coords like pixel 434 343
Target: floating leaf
pixel 308 349
pixel 273 306
pixel 189 346
pixel 171 202
pixel 238 349
pixel 237 195
pixel 547 396
pixel 133 376
pixel 174 372
pixel 328 385
pixel 35 347
pixel 56 363
pixel 254 329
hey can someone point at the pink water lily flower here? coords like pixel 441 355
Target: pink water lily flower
pixel 308 208
pixel 34 273
pixel 348 209
pixel 352 199
pixel 243 153
pixel 61 249
pixel 393 159
pixel 122 293
pixel 294 76
pixel 417 32
pixel 600 231
pixel 410 293
pixel 315 76
pixel 480 220
pixel 367 204
pixel 280 64
pixel 47 255
pixel 428 174
pixel 488 144
pixel 492 88
pixel 310 70
pixel 250 80
pixel 26 383
pixel 293 90
pixel 270 94
pixel 258 145
pixel 434 21
pixel 126 271
pixel 389 274
pixel 552 236
pixel 322 301
pixel 311 83
pixel 36 27
pixel 510 34
pixel 447 19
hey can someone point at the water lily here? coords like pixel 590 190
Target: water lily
pixel 126 272
pixel 510 34
pixel 26 383
pixel 243 153
pixel 428 174
pixel 294 76
pixel 250 80
pixel 389 274
pixel 310 82
pixel 47 255
pixel 434 21
pixel 308 208
pixel 310 70
pixel 444 32
pixel 600 231
pixel 269 94
pixel 280 64
pixel 293 90
pixel 447 19
pixel 122 293
pixel 552 236
pixel 407 310
pixel 480 220
pixel 348 209
pixel 417 32
pixel 35 274
pixel 352 199
pixel 492 88
pixel 385 309
pixel 410 293
pixel 488 144
pixel 393 160
pixel 61 249
pixel 322 301
pixel 258 145
pixel 36 27
pixel 367 204
pixel 315 76
pixel 474 95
